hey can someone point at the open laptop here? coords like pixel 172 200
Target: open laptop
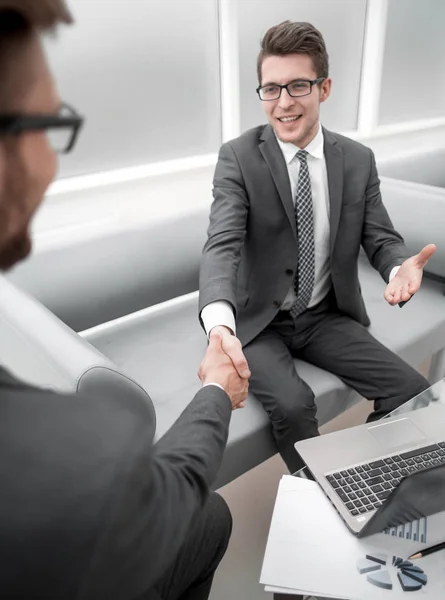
pixel 385 473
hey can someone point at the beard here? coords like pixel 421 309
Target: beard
pixel 16 210
pixel 15 250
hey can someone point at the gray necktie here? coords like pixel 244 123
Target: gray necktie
pixel 304 279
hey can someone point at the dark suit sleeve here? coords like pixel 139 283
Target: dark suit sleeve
pixel 226 232
pixel 383 245
pixel 156 495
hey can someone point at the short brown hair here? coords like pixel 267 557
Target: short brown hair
pixel 18 16
pixel 19 19
pixel 295 38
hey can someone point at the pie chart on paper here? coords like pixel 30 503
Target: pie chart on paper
pixel 385 571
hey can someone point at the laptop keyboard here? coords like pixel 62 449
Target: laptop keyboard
pixel 365 487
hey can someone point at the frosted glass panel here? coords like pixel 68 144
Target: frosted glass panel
pixel 341 23
pixel 145 73
pixel 413 80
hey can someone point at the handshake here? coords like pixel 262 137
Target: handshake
pixel 224 363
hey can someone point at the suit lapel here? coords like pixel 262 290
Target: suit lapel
pixel 275 161
pixel 334 166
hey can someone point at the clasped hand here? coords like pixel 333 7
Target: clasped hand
pixel 224 364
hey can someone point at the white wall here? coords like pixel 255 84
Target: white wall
pixel 413 77
pixel 145 73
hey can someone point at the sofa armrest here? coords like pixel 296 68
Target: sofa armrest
pixel 418 213
pixel 41 350
pixel 434 277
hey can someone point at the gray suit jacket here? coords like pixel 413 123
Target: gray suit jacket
pixel 251 255
pixel 89 508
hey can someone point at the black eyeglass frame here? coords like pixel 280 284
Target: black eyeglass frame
pixel 15 124
pixel 312 82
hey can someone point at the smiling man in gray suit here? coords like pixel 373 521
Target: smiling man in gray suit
pixel 293 203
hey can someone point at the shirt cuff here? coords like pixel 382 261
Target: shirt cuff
pixel 218 313
pixel 217 385
pixel 394 272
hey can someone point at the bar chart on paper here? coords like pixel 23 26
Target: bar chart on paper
pixel 416 531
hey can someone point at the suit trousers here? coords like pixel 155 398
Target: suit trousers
pixel 190 574
pixel 332 341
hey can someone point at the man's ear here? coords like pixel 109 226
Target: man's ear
pixel 325 91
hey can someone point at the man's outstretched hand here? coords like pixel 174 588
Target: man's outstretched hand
pixel 409 277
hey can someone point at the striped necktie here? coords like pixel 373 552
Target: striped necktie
pixel 305 276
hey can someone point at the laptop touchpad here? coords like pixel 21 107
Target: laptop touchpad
pixel 396 433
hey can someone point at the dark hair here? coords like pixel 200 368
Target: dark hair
pixel 19 16
pixel 295 38
pixel 18 20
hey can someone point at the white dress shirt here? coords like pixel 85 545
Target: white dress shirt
pixel 320 201
pixel 220 312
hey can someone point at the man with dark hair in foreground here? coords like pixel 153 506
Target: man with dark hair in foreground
pixel 89 508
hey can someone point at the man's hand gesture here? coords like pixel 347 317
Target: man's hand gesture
pixel 409 277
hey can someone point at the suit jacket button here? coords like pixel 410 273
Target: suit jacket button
pixel 277 303
pixel 289 272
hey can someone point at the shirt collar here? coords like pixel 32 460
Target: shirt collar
pixel 314 148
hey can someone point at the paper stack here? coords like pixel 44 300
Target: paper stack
pixel 310 551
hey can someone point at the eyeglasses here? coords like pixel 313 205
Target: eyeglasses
pixel 62 129
pixel 296 88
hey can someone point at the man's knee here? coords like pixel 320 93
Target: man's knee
pixel 419 383
pixel 412 384
pixel 294 411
